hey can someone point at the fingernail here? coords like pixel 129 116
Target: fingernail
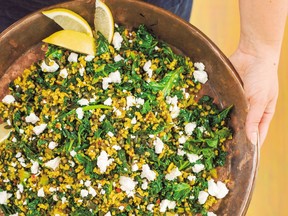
pixel 254 138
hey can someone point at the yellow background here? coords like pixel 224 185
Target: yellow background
pixel 219 20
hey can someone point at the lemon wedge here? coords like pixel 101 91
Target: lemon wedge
pixel 69 20
pixel 4 133
pixel 73 40
pixel 103 20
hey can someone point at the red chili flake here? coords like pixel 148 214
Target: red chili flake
pixel 158 201
pixel 118 190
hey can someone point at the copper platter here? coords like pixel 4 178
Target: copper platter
pixel 20 46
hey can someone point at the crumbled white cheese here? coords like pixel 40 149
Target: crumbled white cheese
pixel 80 113
pixel 101 119
pixel 132 101
pixel 190 127
pixel 202 197
pixel 63 73
pixel 32 118
pixel 150 207
pixel 128 185
pixel 156 48
pixel 73 153
pixel 117 111
pixel 117 40
pixel 198 168
pixel 211 214
pixel 18 155
pixel 135 167
pixel 167 204
pixel 102 192
pixel 8 99
pixel 20 187
pixel 89 58
pixel 115 77
pixel 63 200
pixel 200 66
pixel 81 71
pixel 108 102
pixel 182 139
pixel 54 163
pixel 84 193
pixel 181 152
pixel 92 191
pixel 72 163
pixel 108 213
pixel 39 129
pixel 191 178
pixel 173 174
pixel 52 145
pixel 118 58
pixel 41 192
pixel 193 157
pixel 52 67
pixel 174 109
pixel 18 195
pixel 144 185
pixel 34 167
pixel 148 173
pixel 134 121
pixel 116 147
pixel 73 57
pixel 52 189
pixel 110 134
pixel 105 82
pixel 14 139
pixel 159 145
pixel 103 161
pixel 4 196
pixel 200 76
pixel 147 68
pixel 83 102
pixel 219 189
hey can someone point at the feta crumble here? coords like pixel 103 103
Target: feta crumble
pixel 4 197
pixel 202 197
pixel 83 102
pixel 198 168
pixel 167 204
pixel 103 161
pixel 41 192
pixel 54 163
pixel 39 129
pixel 147 68
pixel 159 145
pixel 200 76
pixel 80 113
pixel 63 73
pixel 108 102
pixel 32 118
pixel 128 185
pixel 89 58
pixel 211 214
pixel 84 193
pixel 52 145
pixel 52 67
pixel 118 58
pixel 35 167
pixel 117 40
pixel 73 57
pixel 173 174
pixel 219 189
pixel 8 99
pixel 148 173
pixel 190 127
pixel 200 66
pixel 193 157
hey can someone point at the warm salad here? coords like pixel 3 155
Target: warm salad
pixel 119 133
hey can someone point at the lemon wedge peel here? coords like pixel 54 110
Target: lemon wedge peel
pixel 73 40
pixel 69 20
pixel 4 133
pixel 103 20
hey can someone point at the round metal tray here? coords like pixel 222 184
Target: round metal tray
pixel 20 46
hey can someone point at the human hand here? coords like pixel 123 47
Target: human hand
pixel 258 72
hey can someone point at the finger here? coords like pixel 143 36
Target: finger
pixel 253 120
pixel 265 121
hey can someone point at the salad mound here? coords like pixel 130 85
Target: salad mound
pixel 119 133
